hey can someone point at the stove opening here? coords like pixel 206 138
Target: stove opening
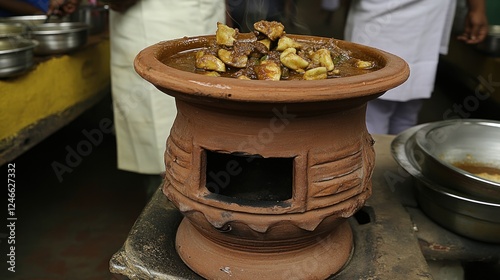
pixel 365 215
pixel 249 179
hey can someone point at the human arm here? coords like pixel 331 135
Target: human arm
pixel 20 7
pixel 476 23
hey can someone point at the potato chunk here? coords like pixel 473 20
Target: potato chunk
pixel 322 57
pixel 362 64
pixel 209 62
pixel 268 70
pixel 243 77
pixel 272 29
pixel 287 42
pixel 225 35
pixel 266 43
pixel 318 73
pixel 229 58
pixel 290 59
pixel 212 74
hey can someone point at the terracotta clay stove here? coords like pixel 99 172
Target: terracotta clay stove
pixel 266 173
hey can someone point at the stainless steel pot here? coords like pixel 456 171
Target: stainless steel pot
pixel 442 145
pixel 16 56
pixel 491 44
pixel 474 218
pixel 59 38
pixel 96 17
pixel 28 20
pixel 13 29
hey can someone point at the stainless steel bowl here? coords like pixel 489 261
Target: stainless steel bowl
pixel 59 38
pixel 28 20
pixel 12 29
pixel 96 17
pixel 491 44
pixel 16 56
pixel 475 143
pixel 473 218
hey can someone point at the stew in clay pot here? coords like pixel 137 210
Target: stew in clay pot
pixel 269 54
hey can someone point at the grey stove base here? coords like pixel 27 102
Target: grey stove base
pixel 392 237
pixel 149 251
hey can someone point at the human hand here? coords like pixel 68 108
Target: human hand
pixel 63 7
pixel 476 26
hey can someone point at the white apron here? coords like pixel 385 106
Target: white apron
pixel 144 115
pixel 415 30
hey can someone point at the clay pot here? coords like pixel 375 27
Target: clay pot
pixel 266 173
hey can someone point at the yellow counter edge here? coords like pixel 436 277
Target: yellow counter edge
pixel 53 87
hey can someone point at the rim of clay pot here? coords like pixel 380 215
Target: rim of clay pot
pixel 149 66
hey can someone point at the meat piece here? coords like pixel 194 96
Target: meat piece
pixel 233 59
pixel 272 29
pixel 263 46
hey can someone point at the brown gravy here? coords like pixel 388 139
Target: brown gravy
pixel 185 61
pixel 486 172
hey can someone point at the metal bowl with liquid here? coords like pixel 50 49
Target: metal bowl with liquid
pixel 463 155
pixel 451 207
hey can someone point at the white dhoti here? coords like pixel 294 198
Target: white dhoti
pixel 143 115
pixel 415 30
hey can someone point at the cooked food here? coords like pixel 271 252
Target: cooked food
pixel 480 170
pixel 269 54
pixel 488 176
pixel 225 35
pixel 273 30
pixel 292 60
pixel 209 62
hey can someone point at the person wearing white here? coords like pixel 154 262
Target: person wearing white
pixel 417 31
pixel 143 115
pixel 330 6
